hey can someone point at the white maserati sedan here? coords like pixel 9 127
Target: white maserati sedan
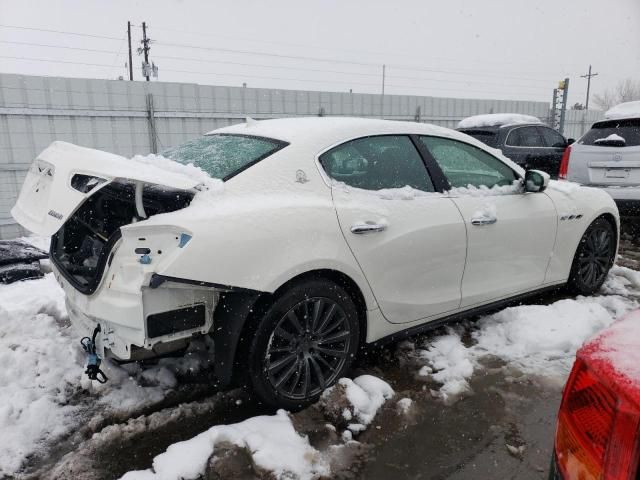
pixel 321 235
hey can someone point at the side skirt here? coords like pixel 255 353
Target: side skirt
pixel 463 315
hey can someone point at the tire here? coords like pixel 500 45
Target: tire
pixel 593 259
pixel 305 342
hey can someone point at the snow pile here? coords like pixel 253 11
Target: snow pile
pixel 40 366
pixel 484 191
pixel 450 363
pixel 623 110
pixel 611 138
pixel 366 394
pixel 538 340
pixel 496 119
pixel 487 213
pixel 44 394
pixel 618 348
pixel 272 441
pixel 209 186
pixel 564 186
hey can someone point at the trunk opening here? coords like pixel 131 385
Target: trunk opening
pixel 80 249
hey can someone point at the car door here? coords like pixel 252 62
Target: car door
pixel 510 234
pixel 555 145
pixel 526 147
pixel 409 241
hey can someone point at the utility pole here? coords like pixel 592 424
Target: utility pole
pixel 130 57
pixel 588 77
pixel 145 49
pixel 384 67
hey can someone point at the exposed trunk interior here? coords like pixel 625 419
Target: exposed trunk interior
pixel 80 249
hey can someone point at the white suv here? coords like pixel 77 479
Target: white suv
pixel 608 156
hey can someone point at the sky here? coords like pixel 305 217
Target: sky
pixel 502 49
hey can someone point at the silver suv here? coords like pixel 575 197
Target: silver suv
pixel 608 156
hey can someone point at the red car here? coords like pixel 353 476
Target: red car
pixel 598 432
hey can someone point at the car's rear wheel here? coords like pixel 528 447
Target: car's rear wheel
pixel 594 257
pixel 303 344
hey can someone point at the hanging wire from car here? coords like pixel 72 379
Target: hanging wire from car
pixel 93 363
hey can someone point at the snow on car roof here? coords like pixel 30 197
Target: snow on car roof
pixel 327 131
pixel 623 110
pixel 615 354
pixel 497 120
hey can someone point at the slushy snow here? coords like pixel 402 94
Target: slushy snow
pixel 274 444
pixel 538 340
pixel 496 119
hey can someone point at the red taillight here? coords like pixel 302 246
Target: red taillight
pixel 564 164
pixel 597 434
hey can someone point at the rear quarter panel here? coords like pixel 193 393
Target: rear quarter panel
pixel 267 226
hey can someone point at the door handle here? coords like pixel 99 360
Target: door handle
pixel 483 221
pixel 364 228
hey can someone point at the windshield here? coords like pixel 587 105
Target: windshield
pixel 224 156
pixel 628 129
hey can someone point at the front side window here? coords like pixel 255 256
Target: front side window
pixel 465 165
pixel 223 156
pixel 376 163
pixel 525 137
pixel 552 138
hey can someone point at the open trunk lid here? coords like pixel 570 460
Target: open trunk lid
pixel 64 176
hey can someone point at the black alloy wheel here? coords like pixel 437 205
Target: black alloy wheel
pixel 594 257
pixel 304 344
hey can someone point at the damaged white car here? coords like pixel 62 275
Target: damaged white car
pixel 324 234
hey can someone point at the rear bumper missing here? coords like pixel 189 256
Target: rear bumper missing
pixel 141 324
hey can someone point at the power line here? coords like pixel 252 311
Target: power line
pixel 329 60
pixel 59 46
pixel 60 32
pixel 56 61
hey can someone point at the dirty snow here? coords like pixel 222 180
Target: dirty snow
pixel 274 444
pixel 539 340
pixel 366 394
pixel 43 394
pixel 496 119
pixel 623 110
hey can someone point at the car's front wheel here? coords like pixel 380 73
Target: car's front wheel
pixel 594 257
pixel 305 341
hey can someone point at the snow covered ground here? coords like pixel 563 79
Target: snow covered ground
pixel 44 398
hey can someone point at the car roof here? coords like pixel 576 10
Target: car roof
pixel 323 132
pixel 499 127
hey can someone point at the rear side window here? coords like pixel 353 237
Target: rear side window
pixel 223 156
pixel 465 165
pixel 485 136
pixel 524 137
pixel 376 163
pixel 629 129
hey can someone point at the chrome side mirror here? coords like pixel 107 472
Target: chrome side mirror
pixel 536 181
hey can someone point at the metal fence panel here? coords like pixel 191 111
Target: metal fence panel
pixel 113 115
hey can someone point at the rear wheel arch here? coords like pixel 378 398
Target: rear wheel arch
pixel 238 314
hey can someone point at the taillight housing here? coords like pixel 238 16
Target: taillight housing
pixel 598 432
pixel 564 163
